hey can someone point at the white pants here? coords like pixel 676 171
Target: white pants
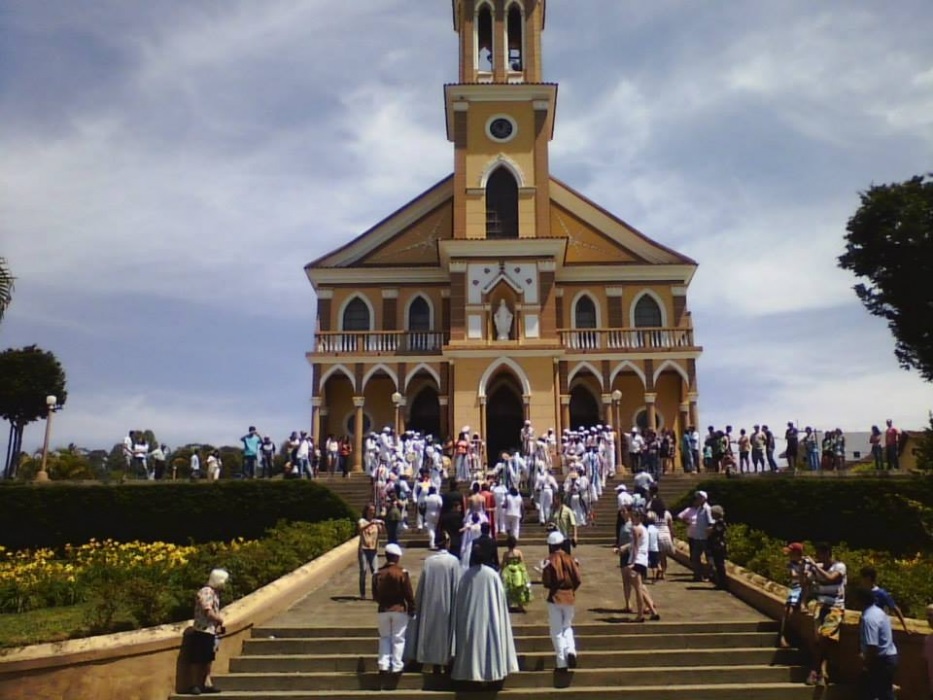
pixel 560 617
pixel 500 520
pixel 392 626
pixel 546 500
pixel 513 524
pixel 430 521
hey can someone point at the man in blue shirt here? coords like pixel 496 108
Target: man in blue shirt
pixel 251 442
pixel 883 599
pixel 876 642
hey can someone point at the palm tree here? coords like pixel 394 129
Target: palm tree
pixel 6 286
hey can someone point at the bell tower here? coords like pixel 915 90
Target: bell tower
pixel 500 118
pixel 500 40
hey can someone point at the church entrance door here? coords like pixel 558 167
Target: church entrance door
pixel 505 416
pixel 425 413
pixel 584 410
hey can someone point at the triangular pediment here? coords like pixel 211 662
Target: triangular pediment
pixel 594 236
pixel 408 237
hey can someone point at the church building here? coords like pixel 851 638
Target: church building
pixel 501 294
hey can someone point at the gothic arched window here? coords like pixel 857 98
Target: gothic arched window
pixel 501 205
pixel 484 48
pixel 419 315
pixel 356 316
pixel 514 23
pixel 647 313
pixel 584 314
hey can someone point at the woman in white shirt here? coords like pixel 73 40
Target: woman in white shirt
pixel 638 568
pixel 513 512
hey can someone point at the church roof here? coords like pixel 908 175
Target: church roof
pixel 409 237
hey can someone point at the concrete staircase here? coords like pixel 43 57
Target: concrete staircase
pixel 702 661
pixel 708 645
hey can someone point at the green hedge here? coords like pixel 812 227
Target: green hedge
pixel 52 515
pixel 892 515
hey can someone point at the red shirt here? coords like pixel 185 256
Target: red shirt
pixel 890 437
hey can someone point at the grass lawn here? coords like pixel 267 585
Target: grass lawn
pixel 43 625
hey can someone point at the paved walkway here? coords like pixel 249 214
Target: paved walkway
pixel 599 600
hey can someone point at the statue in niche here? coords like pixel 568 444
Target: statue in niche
pixel 503 320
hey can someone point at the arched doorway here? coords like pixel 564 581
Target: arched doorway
pixel 584 409
pixel 505 416
pixel 425 413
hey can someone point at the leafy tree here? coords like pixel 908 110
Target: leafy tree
pixel 27 376
pixel 925 448
pixel 64 464
pixel 6 286
pixel 890 244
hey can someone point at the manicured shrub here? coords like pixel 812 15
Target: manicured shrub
pixel 51 515
pixel 135 584
pixel 892 515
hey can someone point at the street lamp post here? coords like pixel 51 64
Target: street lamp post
pixel 397 401
pixel 51 402
pixel 616 419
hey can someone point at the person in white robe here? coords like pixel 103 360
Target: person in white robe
pixel 484 648
pixel 472 529
pixel 430 636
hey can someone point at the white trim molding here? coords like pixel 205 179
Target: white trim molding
pixel 428 370
pixel 627 364
pixel 585 366
pixel 376 368
pixel 502 160
pixel 573 308
pixel 342 369
pixel 504 362
pixel 346 302
pixel 658 300
pixel 411 300
pixel 669 364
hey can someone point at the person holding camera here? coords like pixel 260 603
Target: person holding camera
pixel 829 585
pixel 208 627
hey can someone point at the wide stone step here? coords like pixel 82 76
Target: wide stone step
pixel 531 661
pixel 585 630
pixel 583 677
pixel 356 645
pixel 693 691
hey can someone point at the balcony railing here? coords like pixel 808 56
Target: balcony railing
pixel 380 342
pixel 622 339
pixel 433 342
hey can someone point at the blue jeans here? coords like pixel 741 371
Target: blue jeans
pixel 687 458
pixel 813 460
pixel 304 467
pixel 249 466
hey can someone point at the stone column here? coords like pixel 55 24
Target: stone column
pixel 358 403
pixel 482 417
pixel 694 414
pixel 526 406
pixel 650 398
pixel 444 421
pixel 607 409
pixel 324 413
pixel 315 419
pixel 564 412
pixel 402 420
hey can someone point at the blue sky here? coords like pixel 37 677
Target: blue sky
pixel 168 169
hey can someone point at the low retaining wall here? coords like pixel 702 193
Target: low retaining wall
pixel 768 598
pixel 146 664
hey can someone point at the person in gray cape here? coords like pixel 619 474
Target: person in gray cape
pixel 430 638
pixel 484 648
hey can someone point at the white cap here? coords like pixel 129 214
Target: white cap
pixel 555 538
pixel 621 487
pixel 394 549
pixel 703 495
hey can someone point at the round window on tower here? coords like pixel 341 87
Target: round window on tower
pixel 501 128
